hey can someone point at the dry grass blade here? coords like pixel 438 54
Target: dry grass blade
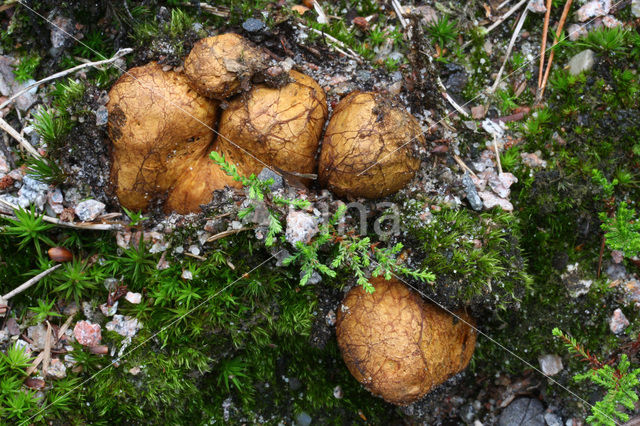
pixel 512 42
pixel 46 361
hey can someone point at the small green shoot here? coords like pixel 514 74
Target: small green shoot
pixel 622 231
pixel 51 126
pixel 45 170
pixel 29 226
pixel 619 382
pixel 44 310
pixel 25 70
pixel 443 31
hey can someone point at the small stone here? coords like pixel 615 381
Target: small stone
pixel 38 335
pixel 89 210
pixel 303 419
pixel 12 327
pixel 9 85
pixel 523 412
pixel 4 335
pixel 616 271
pixel 32 192
pixel 574 281
pixel 187 274
pixel 194 249
pixel 109 311
pixel 301 227
pixel 635 8
pixel 427 14
pixel 478 112
pixel 59 30
pixel 110 284
pixel 618 322
pixel 102 115
pixel 552 419
pixel 617 256
pixel 124 325
pixel 576 31
pixel 134 298
pixel 611 22
pixel 533 160
pixel 315 278
pixel 57 369
pixel 582 61
pixel 54 200
pixel 330 318
pixel 490 200
pixel 4 165
pixel 500 183
pixel 134 371
pixel 593 8
pixel 537 6
pixel 550 364
pixel 472 194
pixel 266 174
pixel 87 334
pixel 253 25
pixel 337 392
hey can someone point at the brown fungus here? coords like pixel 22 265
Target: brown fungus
pixel 277 127
pixel 161 125
pixel 160 129
pixel 218 66
pixel 399 346
pixel 368 147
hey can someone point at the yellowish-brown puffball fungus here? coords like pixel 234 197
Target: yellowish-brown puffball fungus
pixel 279 126
pixel 368 147
pixel 218 66
pixel 160 128
pixel 161 125
pixel 399 346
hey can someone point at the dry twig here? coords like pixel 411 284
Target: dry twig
pixel 500 20
pixel 226 233
pixel 338 45
pixel 543 46
pixel 29 283
pixel 120 53
pixel 17 136
pixel 563 19
pixel 75 225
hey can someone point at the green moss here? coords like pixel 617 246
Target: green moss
pixel 475 256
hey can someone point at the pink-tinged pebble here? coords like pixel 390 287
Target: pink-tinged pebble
pixel 134 298
pixel 87 334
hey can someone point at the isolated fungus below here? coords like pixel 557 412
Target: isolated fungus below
pixel 399 346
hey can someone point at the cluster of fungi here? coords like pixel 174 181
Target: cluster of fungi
pixel 161 124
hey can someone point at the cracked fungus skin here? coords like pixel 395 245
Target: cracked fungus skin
pixel 217 66
pixel 399 346
pixel 159 139
pixel 368 147
pixel 281 127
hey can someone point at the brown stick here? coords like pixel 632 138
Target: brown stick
pixel 563 18
pixel 29 283
pixel 17 136
pixel 545 30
